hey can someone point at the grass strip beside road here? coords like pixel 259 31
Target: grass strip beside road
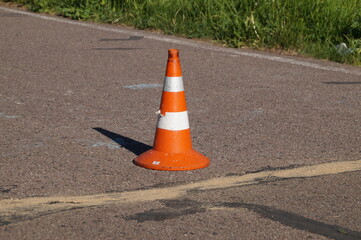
pixel 327 29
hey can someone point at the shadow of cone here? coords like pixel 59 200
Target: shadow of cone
pixel 172 148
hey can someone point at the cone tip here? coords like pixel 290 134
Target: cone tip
pixel 173 53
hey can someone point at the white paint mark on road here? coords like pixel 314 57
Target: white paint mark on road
pixel 189 43
pixel 143 86
pixel 3 115
pixel 69 93
pixel 108 145
pixel 252 115
pixel 101 144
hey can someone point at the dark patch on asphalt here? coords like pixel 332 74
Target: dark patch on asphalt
pixel 269 179
pixel 267 168
pixel 21 218
pixel 162 185
pixel 117 49
pixel 131 38
pixel 54 202
pixel 342 83
pixel 299 222
pixel 177 208
pixel 173 209
pixel 200 190
pixel 163 214
pixel 182 203
pixel 58 202
pixel 3 223
pixel 7 188
pixel 130 144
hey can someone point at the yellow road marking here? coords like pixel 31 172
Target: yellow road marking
pixel 13 210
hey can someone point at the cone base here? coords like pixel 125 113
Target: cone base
pixel 157 160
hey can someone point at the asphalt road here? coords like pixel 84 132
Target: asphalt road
pixel 78 103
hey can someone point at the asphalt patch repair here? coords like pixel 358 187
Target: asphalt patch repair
pixel 18 210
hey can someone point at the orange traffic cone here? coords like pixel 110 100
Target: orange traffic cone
pixel 172 148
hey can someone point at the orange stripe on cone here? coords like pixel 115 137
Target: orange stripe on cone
pixel 173 102
pixel 172 148
pixel 172 141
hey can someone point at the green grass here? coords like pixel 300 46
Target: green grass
pixel 309 27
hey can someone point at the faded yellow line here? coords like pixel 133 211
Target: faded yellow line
pixel 13 210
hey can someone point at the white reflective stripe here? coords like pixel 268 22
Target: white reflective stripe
pixel 173 84
pixel 174 121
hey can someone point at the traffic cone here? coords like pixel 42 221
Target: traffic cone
pixel 172 147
